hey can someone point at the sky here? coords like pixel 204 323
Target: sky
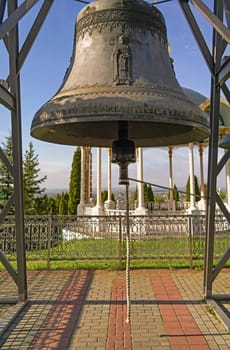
pixel 43 72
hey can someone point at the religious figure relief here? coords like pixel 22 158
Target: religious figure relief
pixel 122 62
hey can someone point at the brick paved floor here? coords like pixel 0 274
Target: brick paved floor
pixel 79 310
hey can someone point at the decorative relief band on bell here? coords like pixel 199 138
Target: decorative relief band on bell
pixel 151 90
pixel 123 19
pixel 137 113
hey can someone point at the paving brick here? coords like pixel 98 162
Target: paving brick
pixel 78 310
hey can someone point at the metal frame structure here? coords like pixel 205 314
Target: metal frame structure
pixel 10 14
pixel 219 67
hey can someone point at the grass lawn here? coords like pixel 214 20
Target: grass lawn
pixel 110 254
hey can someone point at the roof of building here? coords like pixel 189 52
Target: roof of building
pixel 194 96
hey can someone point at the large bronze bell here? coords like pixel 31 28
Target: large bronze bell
pixel 120 74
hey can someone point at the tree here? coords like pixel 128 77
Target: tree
pixel 148 193
pixel 135 195
pixel 6 179
pixel 63 204
pixel 52 206
pixel 75 183
pixel 197 189
pixel 222 194
pixel 104 196
pixel 41 205
pixel 32 182
pixel 176 196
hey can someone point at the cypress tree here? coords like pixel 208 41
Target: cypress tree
pixel 187 190
pixel 63 204
pixel 135 195
pixel 52 206
pixel 146 193
pixel 6 179
pixel 175 194
pixel 150 194
pixel 75 183
pixel 32 182
pixel 41 205
pixel 57 202
pixel 197 190
pixel 104 196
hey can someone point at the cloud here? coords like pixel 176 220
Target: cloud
pixel 56 178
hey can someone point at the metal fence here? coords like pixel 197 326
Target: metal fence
pixel 163 236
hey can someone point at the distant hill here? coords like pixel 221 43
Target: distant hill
pixel 55 191
pixel 117 189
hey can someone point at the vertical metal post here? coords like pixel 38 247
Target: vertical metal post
pixel 213 157
pixel 17 158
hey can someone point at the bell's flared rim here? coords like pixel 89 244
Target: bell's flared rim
pixel 90 118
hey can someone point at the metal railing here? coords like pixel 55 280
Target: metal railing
pixel 162 236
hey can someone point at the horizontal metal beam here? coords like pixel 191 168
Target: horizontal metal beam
pixel 221 297
pixel 224 72
pixel 6 98
pixel 212 19
pixel 220 312
pixel 8 300
pixel 14 18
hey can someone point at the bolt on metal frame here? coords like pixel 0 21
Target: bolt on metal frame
pixel 10 98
